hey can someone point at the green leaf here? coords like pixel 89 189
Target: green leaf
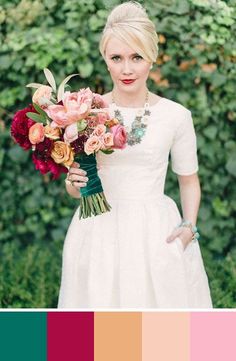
pixel 107 151
pixel 36 117
pixel 81 125
pixel 40 110
pixel 231 166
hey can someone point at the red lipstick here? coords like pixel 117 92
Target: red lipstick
pixel 128 81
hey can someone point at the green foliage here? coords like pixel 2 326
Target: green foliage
pixel 196 67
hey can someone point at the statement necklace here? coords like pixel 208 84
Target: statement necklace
pixel 139 124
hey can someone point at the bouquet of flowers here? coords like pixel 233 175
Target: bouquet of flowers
pixel 62 126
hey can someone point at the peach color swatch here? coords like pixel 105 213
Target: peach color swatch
pixel 165 336
pixel 117 336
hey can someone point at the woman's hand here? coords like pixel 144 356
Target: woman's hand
pixel 184 233
pixel 77 176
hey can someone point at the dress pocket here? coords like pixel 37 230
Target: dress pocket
pixel 179 244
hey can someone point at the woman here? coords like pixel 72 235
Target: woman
pixel 138 255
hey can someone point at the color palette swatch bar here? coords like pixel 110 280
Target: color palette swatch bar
pixel 117 336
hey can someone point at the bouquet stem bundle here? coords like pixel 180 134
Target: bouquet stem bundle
pixel 93 200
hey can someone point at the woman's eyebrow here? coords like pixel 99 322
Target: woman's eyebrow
pixel 121 55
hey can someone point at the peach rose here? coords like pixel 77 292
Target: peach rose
pixel 112 122
pixel 100 130
pixel 71 133
pixel 36 133
pixel 93 144
pixel 119 136
pixel 51 133
pixel 62 153
pixel 107 141
pixel 42 96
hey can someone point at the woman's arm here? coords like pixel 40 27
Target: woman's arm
pixel 190 196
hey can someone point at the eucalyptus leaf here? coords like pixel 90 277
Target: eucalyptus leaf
pixel 61 88
pixel 50 78
pixel 34 85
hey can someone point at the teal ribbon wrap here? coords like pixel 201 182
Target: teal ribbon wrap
pixel 93 200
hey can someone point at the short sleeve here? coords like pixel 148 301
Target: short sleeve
pixel 184 160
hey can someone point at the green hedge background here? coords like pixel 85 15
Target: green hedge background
pixel 196 67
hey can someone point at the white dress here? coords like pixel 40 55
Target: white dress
pixel 121 259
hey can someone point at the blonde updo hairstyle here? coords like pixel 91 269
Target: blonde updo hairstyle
pixel 129 22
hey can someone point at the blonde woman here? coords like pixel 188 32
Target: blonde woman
pixel 143 253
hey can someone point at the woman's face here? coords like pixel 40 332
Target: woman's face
pixel 125 64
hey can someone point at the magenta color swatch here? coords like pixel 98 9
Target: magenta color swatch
pixel 70 336
pixel 213 336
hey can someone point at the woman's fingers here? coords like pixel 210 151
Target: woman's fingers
pixel 78 178
pixel 79 185
pixel 173 235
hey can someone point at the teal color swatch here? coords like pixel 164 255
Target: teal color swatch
pixel 23 336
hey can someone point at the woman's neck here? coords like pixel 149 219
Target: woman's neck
pixel 137 99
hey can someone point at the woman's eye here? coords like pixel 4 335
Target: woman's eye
pixel 138 57
pixel 116 57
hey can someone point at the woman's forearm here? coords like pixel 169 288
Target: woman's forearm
pixel 190 196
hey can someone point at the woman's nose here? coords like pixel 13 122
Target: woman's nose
pixel 127 69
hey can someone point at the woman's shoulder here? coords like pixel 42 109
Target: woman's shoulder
pixel 174 106
pixel 154 99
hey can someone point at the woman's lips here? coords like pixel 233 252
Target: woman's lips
pixel 128 81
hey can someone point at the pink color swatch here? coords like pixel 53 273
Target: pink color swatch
pixel 213 336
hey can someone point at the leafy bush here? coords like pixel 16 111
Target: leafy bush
pixel 196 67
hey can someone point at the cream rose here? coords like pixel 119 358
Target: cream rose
pixel 93 144
pixel 100 130
pixel 42 96
pixel 107 141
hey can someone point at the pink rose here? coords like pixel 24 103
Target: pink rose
pixel 103 117
pixel 36 133
pixel 98 101
pixel 71 133
pixel 100 130
pixel 119 136
pixel 93 144
pixel 42 96
pixel 107 141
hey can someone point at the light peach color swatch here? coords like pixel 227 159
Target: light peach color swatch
pixel 118 336
pixel 165 336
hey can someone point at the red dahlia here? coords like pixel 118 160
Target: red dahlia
pixel 20 127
